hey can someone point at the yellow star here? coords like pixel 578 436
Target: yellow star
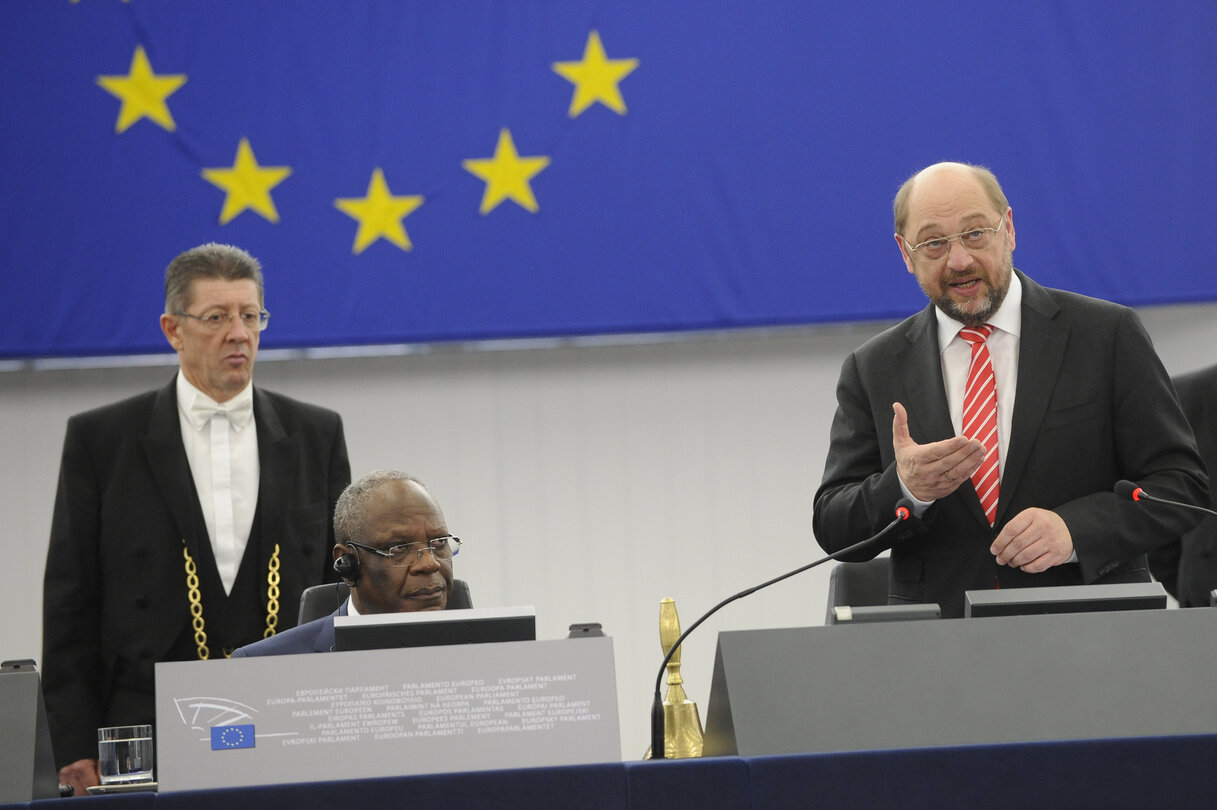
pixel 248 184
pixel 142 92
pixel 379 214
pixel 507 175
pixel 595 78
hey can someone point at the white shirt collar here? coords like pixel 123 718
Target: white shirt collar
pixel 198 408
pixel 1008 318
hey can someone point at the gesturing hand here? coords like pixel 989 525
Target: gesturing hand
pixel 1034 540
pixel 935 470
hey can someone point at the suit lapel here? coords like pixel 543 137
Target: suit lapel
pixel 277 461
pixel 1206 437
pixel 919 374
pixel 326 639
pixel 166 456
pixel 1042 342
pixel 1206 428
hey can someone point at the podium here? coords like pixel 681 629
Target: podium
pixel 963 682
pixel 27 765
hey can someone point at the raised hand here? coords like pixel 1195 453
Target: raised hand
pixel 935 470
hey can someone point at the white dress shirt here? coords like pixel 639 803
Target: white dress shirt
pixel 195 410
pixel 956 356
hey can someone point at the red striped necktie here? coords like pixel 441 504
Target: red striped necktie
pixel 980 416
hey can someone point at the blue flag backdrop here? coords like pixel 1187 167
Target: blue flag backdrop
pixel 451 170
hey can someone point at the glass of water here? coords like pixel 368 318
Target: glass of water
pixel 124 754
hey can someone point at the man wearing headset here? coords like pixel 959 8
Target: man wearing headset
pixel 392 547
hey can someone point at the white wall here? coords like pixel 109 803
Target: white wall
pixel 588 480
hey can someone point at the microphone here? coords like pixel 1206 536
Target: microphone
pixel 1130 491
pixel 904 510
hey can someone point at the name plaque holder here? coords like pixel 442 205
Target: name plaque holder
pixel 27 765
pixel 1136 673
pixel 294 718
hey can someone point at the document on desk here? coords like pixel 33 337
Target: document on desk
pixel 292 718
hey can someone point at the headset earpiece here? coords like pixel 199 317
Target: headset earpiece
pixel 347 566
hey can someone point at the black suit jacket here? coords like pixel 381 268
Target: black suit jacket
pixel 1188 567
pixel 115 592
pixel 1093 405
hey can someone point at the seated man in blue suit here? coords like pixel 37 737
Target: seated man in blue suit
pixel 392 547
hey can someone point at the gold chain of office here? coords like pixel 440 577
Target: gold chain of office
pixel 196 600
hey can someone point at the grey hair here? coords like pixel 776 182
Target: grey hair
pixel 350 513
pixel 988 182
pixel 210 261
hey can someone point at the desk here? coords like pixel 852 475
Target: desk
pixel 1130 772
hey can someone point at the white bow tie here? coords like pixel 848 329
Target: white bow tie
pixel 238 413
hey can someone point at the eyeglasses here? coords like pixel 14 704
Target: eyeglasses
pixel 215 321
pixel 441 548
pixel 972 241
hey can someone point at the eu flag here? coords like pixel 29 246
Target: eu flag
pixel 227 737
pixel 491 169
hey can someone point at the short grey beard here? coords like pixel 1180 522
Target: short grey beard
pixel 993 301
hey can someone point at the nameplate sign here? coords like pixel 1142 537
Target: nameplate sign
pixel 373 713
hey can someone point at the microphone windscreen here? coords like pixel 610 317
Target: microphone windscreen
pixel 1126 490
pixel 904 509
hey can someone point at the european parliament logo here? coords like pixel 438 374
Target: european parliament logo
pixel 224 738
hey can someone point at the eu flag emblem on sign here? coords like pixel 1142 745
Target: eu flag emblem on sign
pixel 225 737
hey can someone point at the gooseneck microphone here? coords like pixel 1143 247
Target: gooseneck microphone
pixel 1130 491
pixel 904 510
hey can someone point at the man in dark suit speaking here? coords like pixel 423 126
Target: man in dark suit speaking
pixel 1006 412
pixel 393 549
pixel 188 520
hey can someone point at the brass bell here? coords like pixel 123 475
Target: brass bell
pixel 682 734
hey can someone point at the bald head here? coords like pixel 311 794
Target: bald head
pixel 930 184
